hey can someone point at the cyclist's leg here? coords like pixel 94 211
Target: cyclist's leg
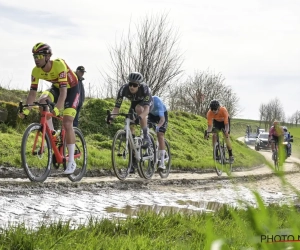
pixel 69 113
pixel 140 108
pixel 161 139
pixel 132 129
pixel 51 95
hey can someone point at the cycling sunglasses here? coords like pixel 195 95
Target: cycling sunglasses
pixel 132 84
pixel 38 56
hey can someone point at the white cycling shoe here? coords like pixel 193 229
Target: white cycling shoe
pixel 71 166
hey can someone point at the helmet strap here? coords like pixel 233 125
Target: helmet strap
pixel 46 61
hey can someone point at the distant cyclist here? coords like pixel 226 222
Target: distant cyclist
pixel 218 118
pixel 275 135
pixel 159 116
pixel 286 138
pixel 64 92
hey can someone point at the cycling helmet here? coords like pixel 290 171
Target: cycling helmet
pixel 214 105
pixel 276 123
pixel 135 77
pixel 285 129
pixel 42 48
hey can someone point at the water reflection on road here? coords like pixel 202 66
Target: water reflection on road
pixel 33 207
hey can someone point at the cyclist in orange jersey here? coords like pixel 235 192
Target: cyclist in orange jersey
pixel 64 92
pixel 218 118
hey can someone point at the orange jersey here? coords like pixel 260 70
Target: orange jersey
pixel 221 116
pixel 60 75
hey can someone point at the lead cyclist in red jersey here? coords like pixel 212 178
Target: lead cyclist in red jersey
pixel 64 92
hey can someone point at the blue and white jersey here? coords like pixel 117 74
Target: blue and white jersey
pixel 159 107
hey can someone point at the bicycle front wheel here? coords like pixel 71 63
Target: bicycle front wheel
pixel 227 161
pixel 218 158
pixel 121 155
pixel 35 160
pixel 80 156
pixel 148 160
pixel 164 173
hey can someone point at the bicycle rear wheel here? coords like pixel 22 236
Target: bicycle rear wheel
pixel 218 158
pixel 148 159
pixel 80 156
pixel 164 173
pixel 121 155
pixel 35 161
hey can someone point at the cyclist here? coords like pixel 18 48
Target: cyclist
pixel 275 135
pixel 141 101
pixel 286 138
pixel 159 116
pixel 218 118
pixel 64 92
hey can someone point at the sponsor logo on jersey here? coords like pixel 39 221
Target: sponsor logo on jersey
pixel 32 78
pixel 76 101
pixel 62 75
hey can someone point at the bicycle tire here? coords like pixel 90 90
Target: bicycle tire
pixel 219 163
pixel 36 164
pixel 81 161
pixel 147 162
pixel 164 173
pixel 227 161
pixel 121 155
pixel 276 160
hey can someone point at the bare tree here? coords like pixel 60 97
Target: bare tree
pixel 196 93
pixel 271 111
pixel 152 51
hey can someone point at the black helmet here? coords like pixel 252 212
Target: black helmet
pixel 214 105
pixel 135 77
pixel 42 48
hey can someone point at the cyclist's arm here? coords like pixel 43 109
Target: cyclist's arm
pixel 62 97
pixel 145 111
pixel 161 121
pixel 115 111
pixel 31 97
pixel 209 128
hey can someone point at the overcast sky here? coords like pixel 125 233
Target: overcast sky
pixel 254 44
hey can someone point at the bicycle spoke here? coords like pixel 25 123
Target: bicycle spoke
pixel 36 159
pixel 121 155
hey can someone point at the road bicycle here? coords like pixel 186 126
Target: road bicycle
pixel 164 173
pixel 125 147
pixel 220 153
pixel 42 147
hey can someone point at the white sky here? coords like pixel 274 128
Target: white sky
pixel 254 44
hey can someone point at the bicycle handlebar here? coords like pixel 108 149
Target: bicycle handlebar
pixel 44 105
pixel 213 131
pixel 127 115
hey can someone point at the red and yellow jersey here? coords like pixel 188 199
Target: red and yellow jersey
pixel 60 75
pixel 221 116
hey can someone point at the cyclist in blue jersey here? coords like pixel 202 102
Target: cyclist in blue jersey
pixel 159 115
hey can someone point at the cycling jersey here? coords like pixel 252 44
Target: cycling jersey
pixel 276 131
pixel 221 116
pixel 60 75
pixel 159 107
pixel 143 95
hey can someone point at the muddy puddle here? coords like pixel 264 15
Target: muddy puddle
pixel 33 205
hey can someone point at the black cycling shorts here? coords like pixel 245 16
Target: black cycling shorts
pixel 155 119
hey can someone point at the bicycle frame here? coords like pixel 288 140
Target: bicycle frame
pixel 58 151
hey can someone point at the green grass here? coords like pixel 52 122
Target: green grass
pixel 234 228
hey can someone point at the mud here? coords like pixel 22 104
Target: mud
pixel 101 195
